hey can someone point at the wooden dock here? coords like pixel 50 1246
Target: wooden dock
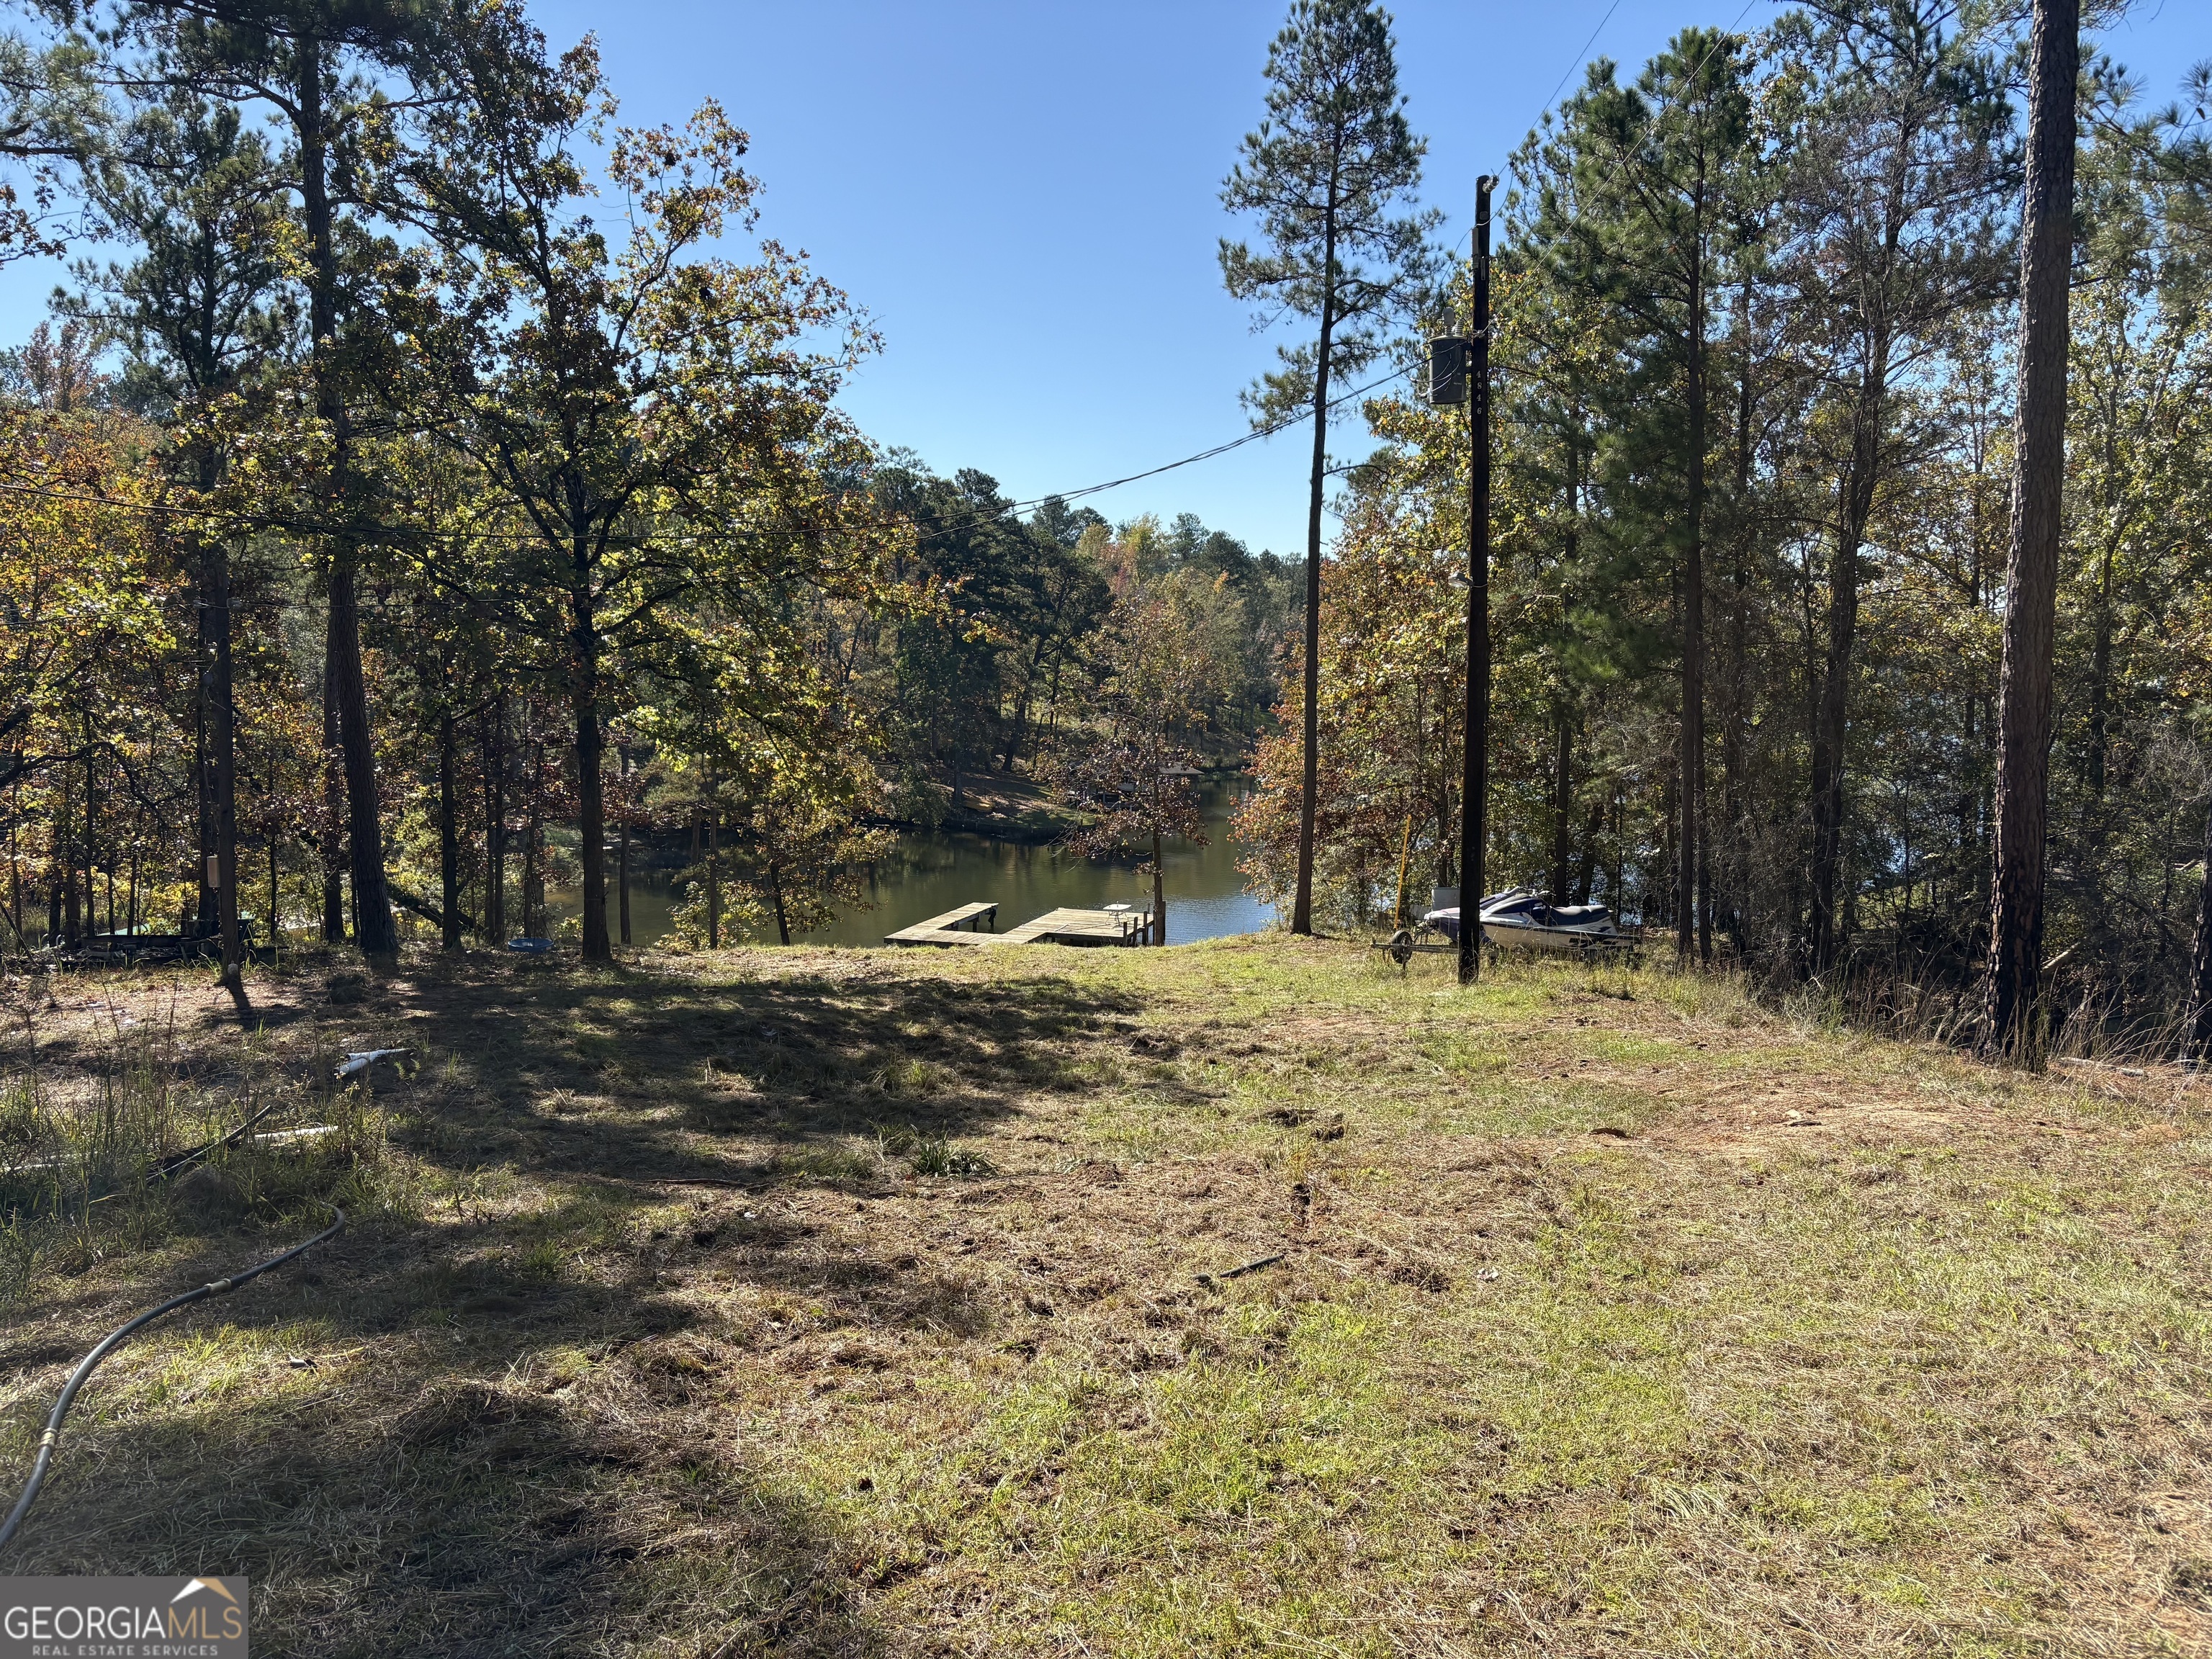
pixel 1122 926
pixel 945 929
pixel 1072 927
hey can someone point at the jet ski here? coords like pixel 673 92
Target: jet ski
pixel 1523 917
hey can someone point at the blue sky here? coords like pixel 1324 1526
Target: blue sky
pixel 1025 196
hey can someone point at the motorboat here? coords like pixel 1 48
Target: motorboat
pixel 1524 918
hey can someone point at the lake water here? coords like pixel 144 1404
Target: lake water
pixel 929 872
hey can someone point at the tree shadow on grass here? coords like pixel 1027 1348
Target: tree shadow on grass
pixel 480 1519
pixel 488 1459
pixel 524 1439
pixel 637 1068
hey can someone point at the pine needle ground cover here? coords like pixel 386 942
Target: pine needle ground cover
pixel 864 1302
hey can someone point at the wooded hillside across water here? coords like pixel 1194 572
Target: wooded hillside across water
pixel 428 488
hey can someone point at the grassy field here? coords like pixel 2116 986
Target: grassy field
pixel 865 1302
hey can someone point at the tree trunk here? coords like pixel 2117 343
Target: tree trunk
pixel 2197 1042
pixel 372 910
pixel 1310 790
pixel 1616 875
pixel 58 883
pixel 1832 731
pixel 2015 964
pixel 2101 649
pixel 1563 801
pixel 713 883
pixel 1159 928
pixel 333 807
pixel 539 924
pixel 591 799
pixel 1691 785
pixel 91 846
pixel 495 772
pixel 1735 869
pixel 1021 722
pixel 206 908
pixel 223 722
pixel 449 838
pixel 775 894
pixel 373 930
pixel 1586 871
pixel 1704 878
pixel 2100 694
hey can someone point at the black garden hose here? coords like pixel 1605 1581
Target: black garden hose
pixel 114 1339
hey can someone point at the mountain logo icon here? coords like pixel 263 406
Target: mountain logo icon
pixel 214 1585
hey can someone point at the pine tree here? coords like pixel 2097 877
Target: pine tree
pixel 1657 170
pixel 1324 173
pixel 2015 963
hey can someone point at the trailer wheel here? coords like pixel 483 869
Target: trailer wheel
pixel 1401 946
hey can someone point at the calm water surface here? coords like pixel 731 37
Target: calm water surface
pixel 929 872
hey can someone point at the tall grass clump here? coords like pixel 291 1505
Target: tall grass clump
pixel 121 1152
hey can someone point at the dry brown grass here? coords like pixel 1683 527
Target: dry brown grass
pixel 861 1302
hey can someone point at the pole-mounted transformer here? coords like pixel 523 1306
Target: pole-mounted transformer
pixel 1448 362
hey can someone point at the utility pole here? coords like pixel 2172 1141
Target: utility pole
pixel 1475 774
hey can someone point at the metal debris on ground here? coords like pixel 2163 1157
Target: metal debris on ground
pixel 361 1060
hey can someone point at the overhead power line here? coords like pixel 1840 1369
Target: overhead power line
pixel 1253 436
pixel 1581 58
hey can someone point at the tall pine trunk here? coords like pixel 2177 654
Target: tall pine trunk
pixel 206 911
pixel 495 775
pixel 58 882
pixel 1736 866
pixel 1586 869
pixel 2197 1044
pixel 372 908
pixel 1309 788
pixel 533 833
pixel 1854 507
pixel 223 728
pixel 2015 964
pixel 333 809
pixel 1563 801
pixel 1691 782
pixel 449 838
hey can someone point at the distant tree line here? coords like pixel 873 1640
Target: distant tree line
pixel 412 512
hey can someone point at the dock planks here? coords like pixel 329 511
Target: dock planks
pixel 1073 926
pixel 1066 926
pixel 935 931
